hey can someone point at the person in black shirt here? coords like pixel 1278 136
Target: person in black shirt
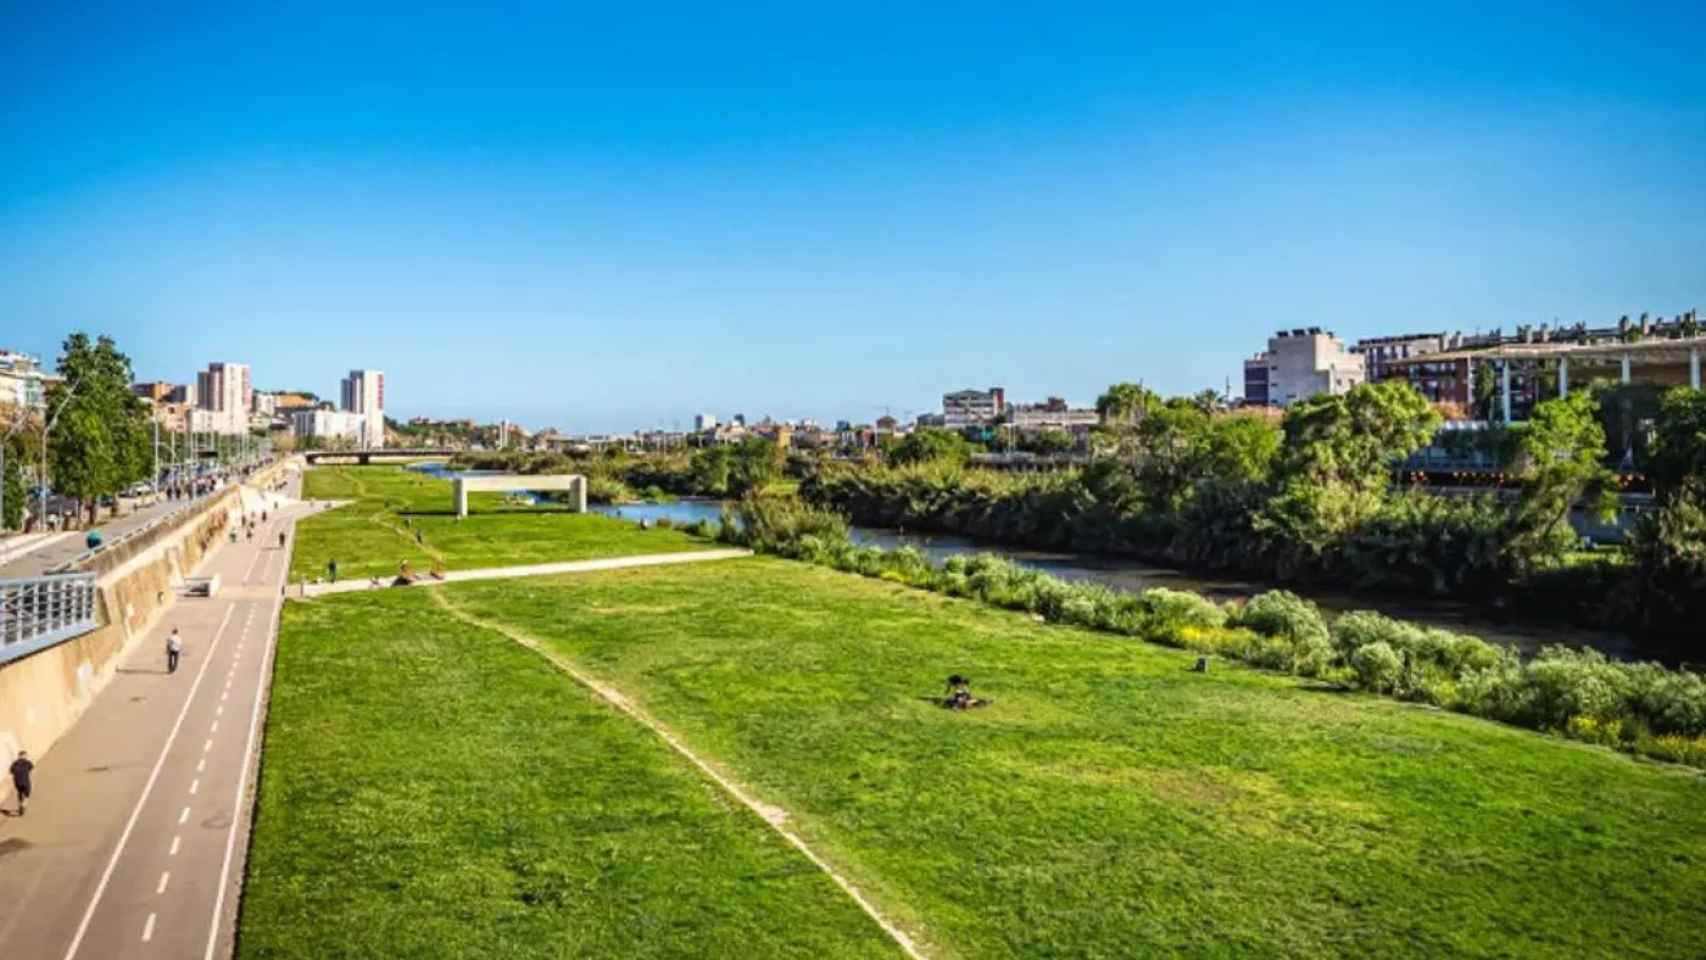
pixel 21 768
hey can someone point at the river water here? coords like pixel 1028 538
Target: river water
pixel 1124 573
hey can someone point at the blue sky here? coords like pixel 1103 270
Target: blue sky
pixel 598 218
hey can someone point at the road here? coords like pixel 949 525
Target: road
pixel 29 557
pixel 134 842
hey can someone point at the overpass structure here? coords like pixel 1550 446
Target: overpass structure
pixel 387 454
pixel 572 482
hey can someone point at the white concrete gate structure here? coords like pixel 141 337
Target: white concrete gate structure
pixel 572 482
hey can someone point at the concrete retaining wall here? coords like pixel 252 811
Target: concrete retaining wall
pixel 43 694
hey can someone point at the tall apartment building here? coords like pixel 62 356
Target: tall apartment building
pixel 972 408
pixel 364 393
pixel 703 422
pixel 1301 364
pixel 223 394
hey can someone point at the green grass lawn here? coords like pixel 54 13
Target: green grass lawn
pixel 373 534
pixel 1111 802
pixel 434 790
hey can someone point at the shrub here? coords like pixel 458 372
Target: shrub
pixel 1170 611
pixel 1378 667
pixel 1281 613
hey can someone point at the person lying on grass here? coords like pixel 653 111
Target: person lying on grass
pixel 959 694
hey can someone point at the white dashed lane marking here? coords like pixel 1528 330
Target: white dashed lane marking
pixel 184 817
pixel 164 876
pixel 195 785
pixel 174 851
pixel 148 929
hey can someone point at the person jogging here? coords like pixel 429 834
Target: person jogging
pixel 174 647
pixel 21 768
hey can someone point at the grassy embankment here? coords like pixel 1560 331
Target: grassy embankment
pixel 1109 803
pixel 432 790
pixel 374 533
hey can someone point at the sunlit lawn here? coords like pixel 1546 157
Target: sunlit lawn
pixel 375 533
pixel 1111 802
pixel 432 790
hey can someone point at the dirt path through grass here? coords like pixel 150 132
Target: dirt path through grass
pixel 775 816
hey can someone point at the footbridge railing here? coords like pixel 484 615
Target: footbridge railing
pixel 38 612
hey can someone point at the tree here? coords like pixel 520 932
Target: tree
pixel 101 441
pixel 710 469
pixel 1124 403
pixel 1049 442
pixel 1562 461
pixel 12 518
pixel 1352 439
pixel 756 462
pixel 1678 450
pixel 923 446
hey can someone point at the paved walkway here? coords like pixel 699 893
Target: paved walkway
pixel 135 840
pixel 534 570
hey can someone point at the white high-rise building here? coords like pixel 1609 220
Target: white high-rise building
pixel 224 395
pixel 703 422
pixel 364 393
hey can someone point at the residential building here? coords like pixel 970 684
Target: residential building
pixel 157 392
pixel 325 424
pixel 264 403
pixel 1305 362
pixel 1256 392
pixel 1054 413
pixel 704 422
pixel 223 393
pixel 184 393
pixel 364 393
pixel 23 383
pixel 973 408
pixel 1377 352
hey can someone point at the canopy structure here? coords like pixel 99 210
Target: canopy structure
pixel 1665 361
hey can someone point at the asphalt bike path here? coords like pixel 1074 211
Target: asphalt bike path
pixel 134 841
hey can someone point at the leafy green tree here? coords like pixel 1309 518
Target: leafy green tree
pixel 1124 403
pixel 99 443
pixel 1353 439
pixel 930 444
pixel 1562 461
pixel 1669 549
pixel 13 479
pixel 1678 449
pixel 1049 442
pixel 710 469
pixel 755 463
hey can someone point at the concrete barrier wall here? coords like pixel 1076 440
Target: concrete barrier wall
pixel 43 694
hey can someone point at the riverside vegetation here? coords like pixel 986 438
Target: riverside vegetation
pixel 1643 708
pixel 1313 500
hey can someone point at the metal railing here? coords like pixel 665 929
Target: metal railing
pixel 38 612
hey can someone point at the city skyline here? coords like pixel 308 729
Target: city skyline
pixel 608 221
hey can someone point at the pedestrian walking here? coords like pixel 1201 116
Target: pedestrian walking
pixel 281 539
pixel 174 647
pixel 332 570
pixel 21 768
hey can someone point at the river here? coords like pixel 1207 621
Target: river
pixel 1124 573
